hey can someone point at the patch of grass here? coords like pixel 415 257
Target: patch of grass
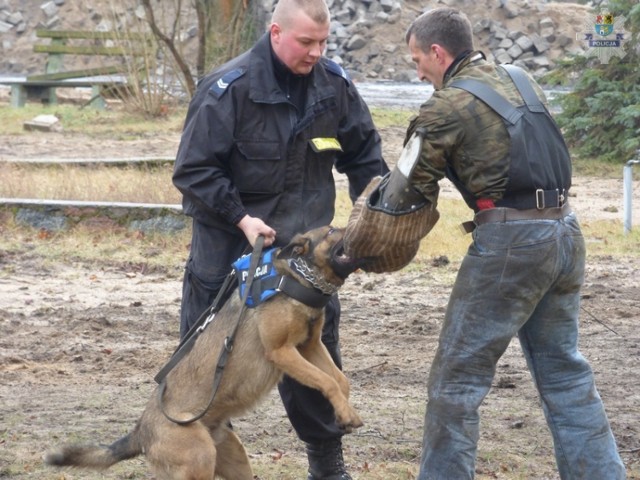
pixel 135 183
pixel 124 123
pixel 135 251
pixel 130 250
pixel 343 208
pixel 603 237
pixel 592 167
pixel 116 122
pixel 391 117
pixel 446 239
pixel 153 185
pixel 607 237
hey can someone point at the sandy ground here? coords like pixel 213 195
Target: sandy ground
pixel 79 346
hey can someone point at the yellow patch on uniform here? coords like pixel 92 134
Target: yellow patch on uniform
pixel 320 144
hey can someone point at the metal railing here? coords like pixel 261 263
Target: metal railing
pixel 627 176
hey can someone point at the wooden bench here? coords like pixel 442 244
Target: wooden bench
pixel 23 89
pixel 125 45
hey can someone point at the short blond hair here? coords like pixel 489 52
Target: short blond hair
pixel 286 10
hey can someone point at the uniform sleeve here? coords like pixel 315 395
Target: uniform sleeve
pixel 361 156
pixel 201 171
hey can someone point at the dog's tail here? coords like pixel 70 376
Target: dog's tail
pixel 95 457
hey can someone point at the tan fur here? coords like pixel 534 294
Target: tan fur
pixel 279 336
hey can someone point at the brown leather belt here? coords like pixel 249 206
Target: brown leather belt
pixel 495 215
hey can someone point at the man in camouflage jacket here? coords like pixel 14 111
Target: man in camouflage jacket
pixel 487 129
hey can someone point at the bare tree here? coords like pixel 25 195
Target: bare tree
pixel 221 35
pixel 203 8
pixel 169 42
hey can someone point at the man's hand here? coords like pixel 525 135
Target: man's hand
pixel 252 227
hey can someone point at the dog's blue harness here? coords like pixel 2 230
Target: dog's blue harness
pixel 267 282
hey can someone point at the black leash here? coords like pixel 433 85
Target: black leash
pixel 205 319
pixel 186 345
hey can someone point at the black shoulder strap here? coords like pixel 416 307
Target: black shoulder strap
pixel 489 96
pixel 496 101
pixel 524 87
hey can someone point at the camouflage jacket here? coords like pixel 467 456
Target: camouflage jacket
pixel 464 134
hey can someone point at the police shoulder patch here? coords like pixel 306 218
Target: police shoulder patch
pixel 336 69
pixel 220 86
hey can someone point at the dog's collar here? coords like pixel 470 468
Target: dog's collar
pixel 310 296
pixel 310 274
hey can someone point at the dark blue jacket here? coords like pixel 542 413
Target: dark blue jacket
pixel 245 148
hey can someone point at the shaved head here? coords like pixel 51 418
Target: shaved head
pixel 299 33
pixel 287 11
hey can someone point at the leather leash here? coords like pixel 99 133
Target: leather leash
pixel 227 347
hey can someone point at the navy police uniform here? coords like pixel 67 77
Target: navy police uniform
pixel 259 140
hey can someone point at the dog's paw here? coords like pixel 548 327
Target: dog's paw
pixel 351 421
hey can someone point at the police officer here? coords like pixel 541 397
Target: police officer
pixel 487 129
pixel 260 139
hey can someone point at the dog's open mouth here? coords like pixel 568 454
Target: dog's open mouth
pixel 342 264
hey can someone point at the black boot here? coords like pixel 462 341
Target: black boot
pixel 326 462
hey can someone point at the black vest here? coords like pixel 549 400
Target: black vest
pixel 540 168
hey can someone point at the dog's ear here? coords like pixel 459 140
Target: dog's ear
pixel 297 247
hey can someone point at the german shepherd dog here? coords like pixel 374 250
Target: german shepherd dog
pixel 280 335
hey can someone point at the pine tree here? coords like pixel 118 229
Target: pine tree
pixel 601 116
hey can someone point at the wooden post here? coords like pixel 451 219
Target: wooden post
pixel 97 100
pixel 55 64
pixel 18 95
